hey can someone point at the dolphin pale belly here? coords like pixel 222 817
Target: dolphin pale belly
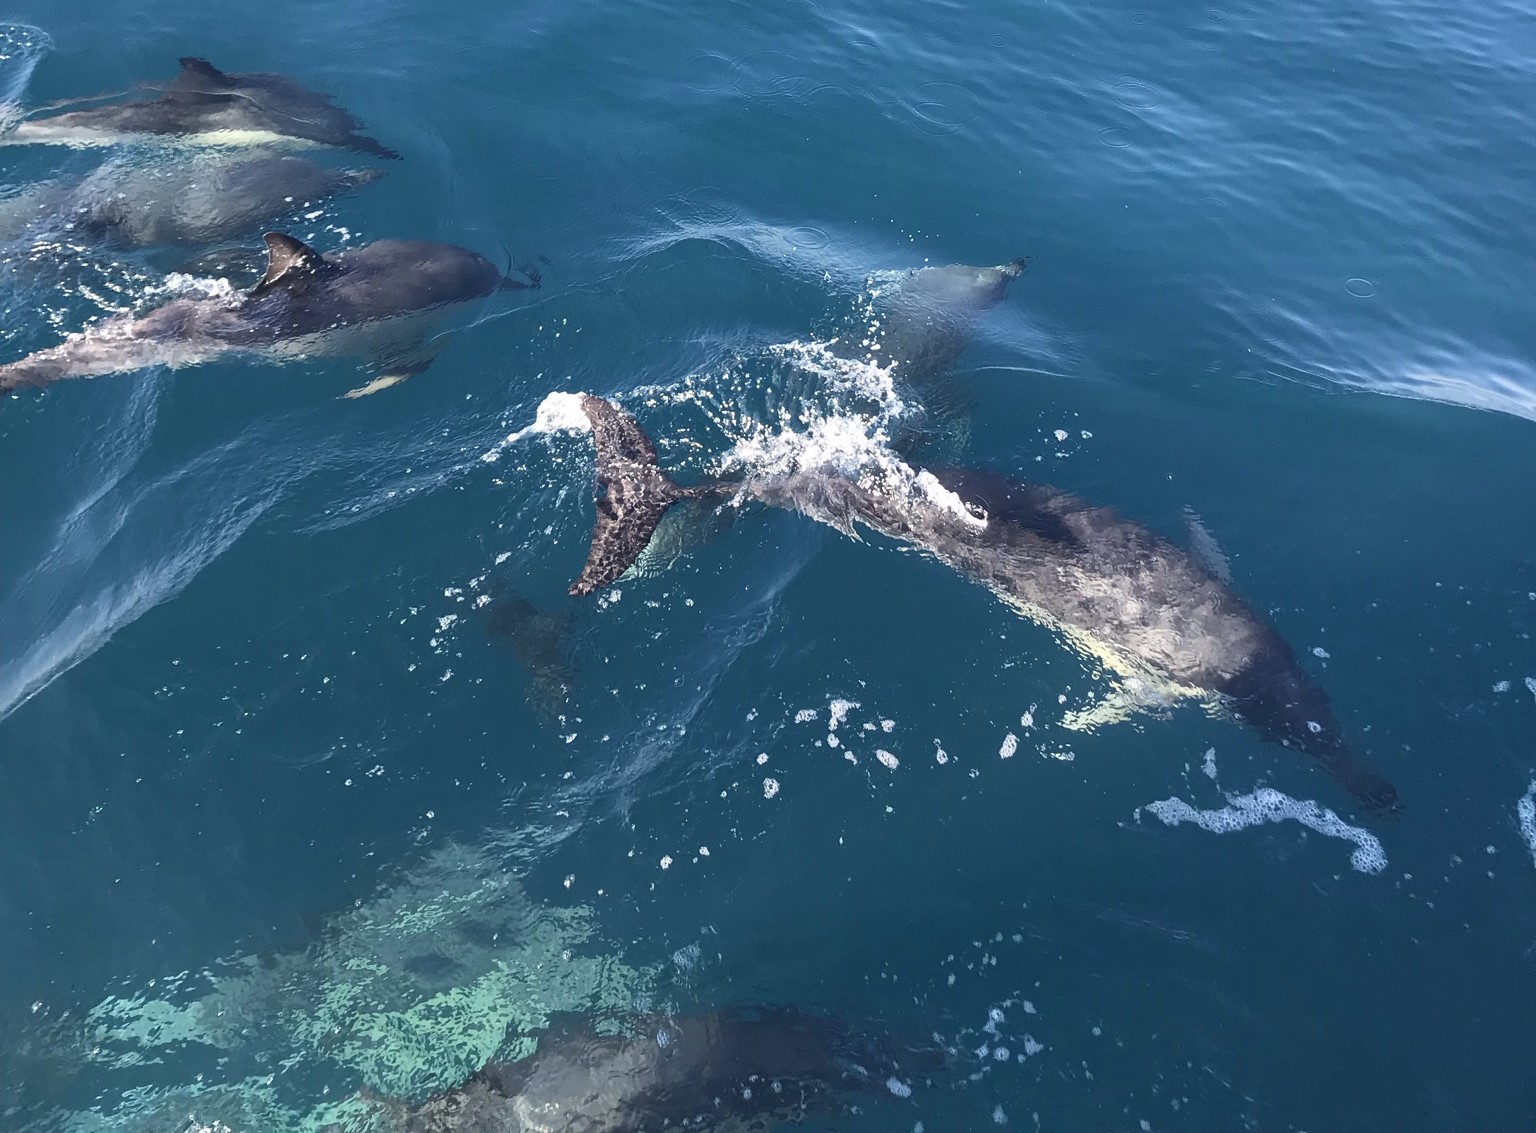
pixel 377 301
pixel 716 1070
pixel 204 105
pixel 1114 589
pixel 199 199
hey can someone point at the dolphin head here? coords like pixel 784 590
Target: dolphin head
pixel 1282 700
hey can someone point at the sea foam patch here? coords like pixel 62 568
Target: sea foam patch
pixel 1525 814
pixel 1269 805
pixel 558 413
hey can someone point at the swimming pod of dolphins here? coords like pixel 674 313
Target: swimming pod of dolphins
pixel 1157 615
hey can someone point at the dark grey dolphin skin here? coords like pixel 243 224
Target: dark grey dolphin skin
pixel 744 1068
pixel 204 104
pixel 926 319
pixel 200 199
pixel 1111 586
pixel 377 301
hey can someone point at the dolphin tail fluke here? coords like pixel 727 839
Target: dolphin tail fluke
pixel 633 493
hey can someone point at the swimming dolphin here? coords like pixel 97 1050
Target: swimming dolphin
pixel 377 301
pixel 198 199
pixel 923 322
pixel 205 106
pixel 537 640
pixel 735 1068
pixel 1115 590
pixel 925 318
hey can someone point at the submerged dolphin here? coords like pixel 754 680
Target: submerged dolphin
pixel 204 105
pixel 1115 590
pixel 200 199
pixel 737 1068
pixel 377 301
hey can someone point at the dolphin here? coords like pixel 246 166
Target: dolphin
pixel 377 301
pixel 923 320
pixel 199 199
pixel 1111 588
pixel 537 639
pixel 733 1068
pixel 205 106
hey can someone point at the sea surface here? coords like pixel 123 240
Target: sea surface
pixel 314 780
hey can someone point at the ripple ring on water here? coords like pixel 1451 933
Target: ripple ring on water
pixel 1134 94
pixel 807 238
pixel 712 73
pixel 1360 288
pixel 1117 137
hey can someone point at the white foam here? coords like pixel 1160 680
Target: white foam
pixel 770 788
pixel 1530 683
pixel 1269 805
pixel 898 1087
pixel 887 758
pixel 557 413
pixel 1010 746
pixel 1209 765
pixel 837 712
pixel 1525 813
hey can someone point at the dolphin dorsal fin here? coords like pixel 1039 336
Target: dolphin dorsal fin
pixel 288 261
pixel 201 75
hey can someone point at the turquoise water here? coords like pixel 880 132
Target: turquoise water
pixel 284 814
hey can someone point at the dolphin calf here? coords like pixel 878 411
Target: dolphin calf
pixel 377 301
pixel 1114 590
pixel 205 106
pixel 197 199
pixel 734 1068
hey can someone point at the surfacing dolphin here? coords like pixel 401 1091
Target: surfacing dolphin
pixel 378 302
pixel 739 1068
pixel 923 322
pixel 202 198
pixel 1115 590
pixel 205 106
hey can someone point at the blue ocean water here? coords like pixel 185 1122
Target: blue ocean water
pixel 285 812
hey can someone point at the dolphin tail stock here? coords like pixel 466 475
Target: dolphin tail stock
pixel 632 495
